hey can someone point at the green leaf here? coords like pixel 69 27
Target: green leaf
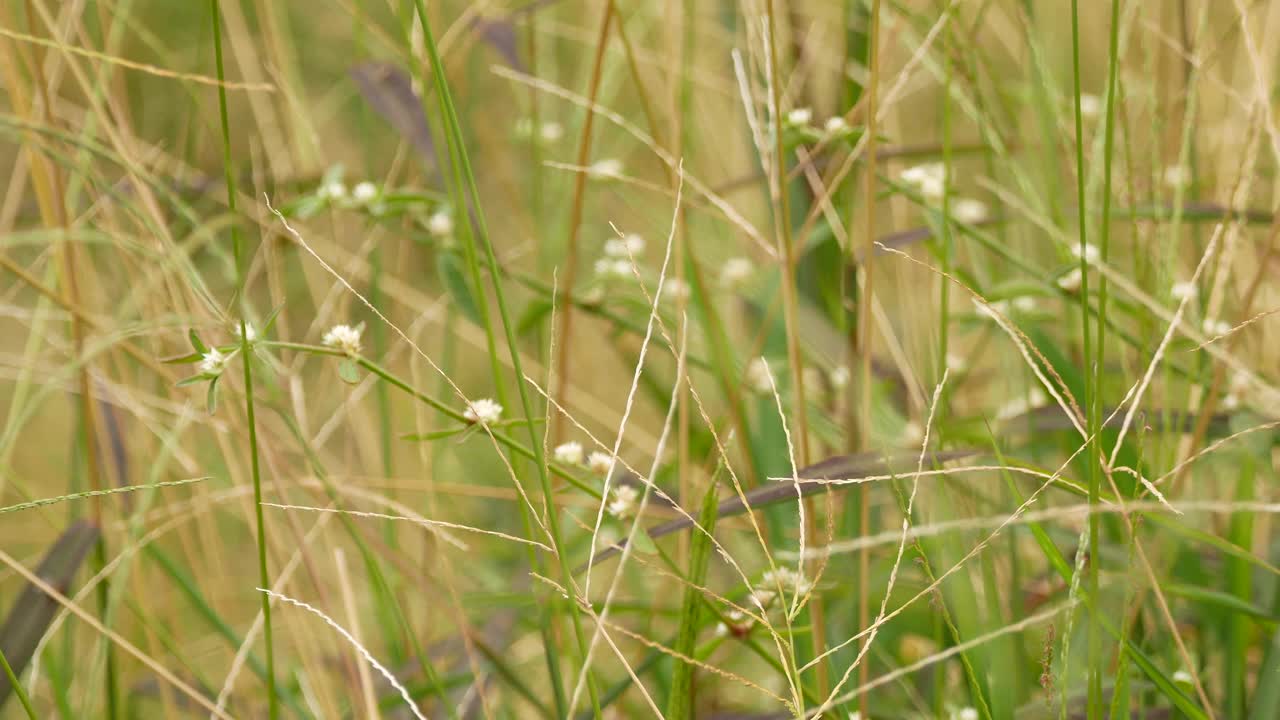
pixel 211 399
pixel 533 314
pixel 271 320
pixel 193 380
pixel 349 371
pixel 182 359
pixel 196 343
pixel 680 699
pixel 450 269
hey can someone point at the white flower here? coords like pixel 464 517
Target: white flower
pixel 1024 303
pixel 1071 281
pixel 249 332
pixel 483 410
pixel 855 715
pixel 787 578
pixel 1183 290
pixel 1090 106
pixel 967 714
pixel 735 272
pixel 1091 252
pixel 929 179
pixel 551 131
pixel 1176 176
pixel 599 462
pixel 835 125
pixel 569 453
pixel 440 224
pixel 333 190
pixel 1230 401
pixel 623 502
pixel 213 362
pixel 1033 399
pixel 969 211
pixel 629 245
pixel 800 116
pixel 344 338
pixel 758 375
pixel 608 168
pixel 675 289
pixel 763 597
pixel 1215 327
pixel 912 433
pixel 364 192
pixel 839 377
pixel 1183 677
pixel 613 267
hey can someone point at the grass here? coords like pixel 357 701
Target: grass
pixel 918 357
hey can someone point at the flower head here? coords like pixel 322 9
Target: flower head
pixel 1215 327
pixel 623 502
pixel 551 131
pixel 800 116
pixel 607 168
pixel 1091 253
pixel 213 362
pixel 344 338
pixel 440 224
pixel 788 579
pixel 569 453
pixel 675 289
pixel 599 462
pixel 758 375
pixel 735 272
pixel 967 714
pixel 929 178
pixel 1176 176
pixel 1182 677
pixel 613 267
pixel 483 411
pixel 1090 106
pixel 969 211
pixel 333 190
pixel 835 125
pixel 365 192
pixel 624 247
pixel 839 377
pixel 249 333
pixel 1071 280
pixel 1183 290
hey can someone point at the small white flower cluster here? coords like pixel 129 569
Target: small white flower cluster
pixel 619 253
pixel 966 713
pixel 484 411
pixel 569 453
pixel 213 363
pixel 549 132
pixel 1214 327
pixel 623 500
pixel 969 211
pixel 1090 106
pixel 800 117
pixel 839 377
pixel 1183 290
pixel 1091 253
pixel 675 289
pixel 929 179
pixel 739 620
pixel 1071 280
pixel 1032 400
pixel 758 375
pixel 786 578
pixel 1238 386
pixel 607 169
pixel 345 338
pixel 1177 176
pixel 332 190
pixel 736 272
pixel 599 462
pixel 365 192
pixel 440 224
pixel 250 333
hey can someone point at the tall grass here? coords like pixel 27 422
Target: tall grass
pixel 755 359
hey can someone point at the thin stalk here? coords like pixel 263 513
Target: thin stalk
pixel 1097 703
pixel 782 222
pixel 565 331
pixel 463 165
pixel 246 355
pixel 17 688
pixel 1095 640
pixel 865 297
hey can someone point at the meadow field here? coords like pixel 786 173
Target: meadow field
pixel 568 359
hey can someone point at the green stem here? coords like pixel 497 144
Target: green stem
pixel 246 355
